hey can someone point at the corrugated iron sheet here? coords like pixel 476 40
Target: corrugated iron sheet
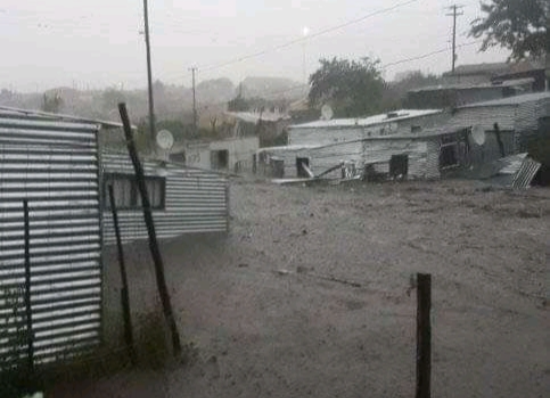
pixel 525 174
pixel 54 165
pixel 486 116
pixel 196 202
pixel 433 149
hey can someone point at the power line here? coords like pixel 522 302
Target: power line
pixel 311 36
pixel 427 55
pixel 385 66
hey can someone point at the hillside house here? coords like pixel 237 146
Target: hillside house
pixel 518 119
pixel 231 154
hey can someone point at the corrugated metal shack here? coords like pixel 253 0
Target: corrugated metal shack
pixel 52 162
pixel 453 95
pixel 518 119
pixel 231 154
pixel 356 142
pixel 424 155
pixel 184 200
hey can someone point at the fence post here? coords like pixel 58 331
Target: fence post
pixel 125 297
pixel 28 307
pixel 423 335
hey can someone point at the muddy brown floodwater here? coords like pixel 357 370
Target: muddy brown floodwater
pixel 309 295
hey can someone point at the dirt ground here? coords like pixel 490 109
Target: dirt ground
pixel 308 295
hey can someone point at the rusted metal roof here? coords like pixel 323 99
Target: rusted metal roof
pixel 6 112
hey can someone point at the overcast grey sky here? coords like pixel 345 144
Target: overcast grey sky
pixel 97 43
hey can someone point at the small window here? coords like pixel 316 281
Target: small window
pixel 127 195
pixel 416 129
pixel 448 157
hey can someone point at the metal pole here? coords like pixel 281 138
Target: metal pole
pixel 153 243
pixel 454 39
pixel 423 335
pixel 125 297
pixel 152 129
pixel 454 14
pixel 195 115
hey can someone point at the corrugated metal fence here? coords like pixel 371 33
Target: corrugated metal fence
pixel 53 165
pixel 196 201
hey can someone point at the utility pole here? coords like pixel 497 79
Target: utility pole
pixel 195 115
pixel 454 14
pixel 149 73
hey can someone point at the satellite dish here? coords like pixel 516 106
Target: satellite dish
pixel 478 134
pixel 326 112
pixel 165 140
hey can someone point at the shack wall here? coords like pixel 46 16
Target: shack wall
pixel 195 202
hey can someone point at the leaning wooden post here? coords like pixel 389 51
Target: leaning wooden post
pixel 28 307
pixel 125 298
pixel 153 244
pixel 423 335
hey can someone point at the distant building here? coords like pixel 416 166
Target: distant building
pixel 267 125
pixel 475 73
pixel 486 73
pixel 232 154
pixel 458 94
pixel 400 76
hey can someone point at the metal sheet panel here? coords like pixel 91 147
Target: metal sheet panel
pixel 196 201
pixel 54 165
pixel 525 174
pixel 433 148
pixel 381 151
pixel 486 116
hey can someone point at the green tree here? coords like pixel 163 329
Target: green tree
pixel 238 104
pixel 521 26
pixel 52 103
pixel 353 88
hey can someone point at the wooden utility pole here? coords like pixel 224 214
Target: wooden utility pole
pixel 195 115
pixel 423 335
pixel 455 14
pixel 152 129
pixel 153 243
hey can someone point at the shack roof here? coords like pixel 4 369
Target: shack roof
pixel 480 86
pixel 253 117
pixel 7 111
pixel 484 68
pixel 383 118
pixel 510 101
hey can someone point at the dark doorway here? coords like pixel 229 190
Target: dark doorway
pixel 220 159
pixel 300 169
pixel 399 166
